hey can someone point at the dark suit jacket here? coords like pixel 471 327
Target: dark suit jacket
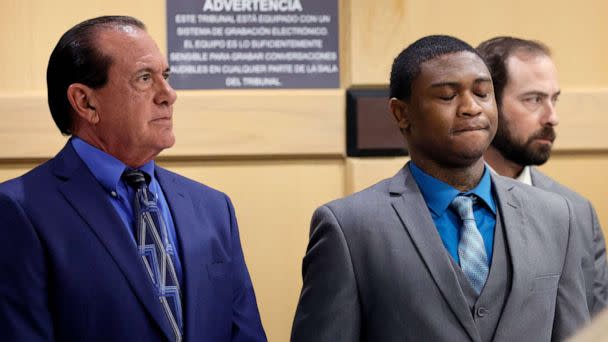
pixel 376 270
pixel 70 272
pixel 593 246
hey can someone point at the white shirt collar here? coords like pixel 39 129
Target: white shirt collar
pixel 525 176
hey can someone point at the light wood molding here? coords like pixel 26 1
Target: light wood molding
pixel 361 173
pixel 268 122
pixel 27 130
pixel 206 123
pixel 260 122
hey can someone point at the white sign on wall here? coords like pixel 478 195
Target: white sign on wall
pixel 219 44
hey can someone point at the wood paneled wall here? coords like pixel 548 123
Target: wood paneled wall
pixel 280 153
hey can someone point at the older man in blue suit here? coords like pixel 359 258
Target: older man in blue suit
pixel 101 244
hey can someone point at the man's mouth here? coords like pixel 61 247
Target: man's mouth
pixel 470 128
pixel 547 135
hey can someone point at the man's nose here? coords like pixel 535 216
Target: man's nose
pixel 166 94
pixel 550 117
pixel 469 105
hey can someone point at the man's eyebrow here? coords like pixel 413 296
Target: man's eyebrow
pixel 152 70
pixel 535 93
pixel 445 84
pixel 144 69
pixel 483 80
pixel 454 84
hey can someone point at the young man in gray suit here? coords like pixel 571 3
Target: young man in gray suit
pixel 443 250
pixel 527 89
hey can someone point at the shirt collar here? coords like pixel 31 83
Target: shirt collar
pixel 525 176
pixel 438 195
pixel 106 168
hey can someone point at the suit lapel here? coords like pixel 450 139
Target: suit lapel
pixel 87 197
pixel 191 239
pixel 413 212
pixel 514 222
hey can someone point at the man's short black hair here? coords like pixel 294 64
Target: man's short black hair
pixel 406 65
pixel 77 59
pixel 495 53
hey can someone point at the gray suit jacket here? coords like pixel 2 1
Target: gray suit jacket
pixel 376 270
pixel 593 246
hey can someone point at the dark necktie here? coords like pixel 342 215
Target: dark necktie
pixel 471 249
pixel 155 249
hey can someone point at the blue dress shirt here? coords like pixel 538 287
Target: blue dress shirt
pixel 438 196
pixel 108 171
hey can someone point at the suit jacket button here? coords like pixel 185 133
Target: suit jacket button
pixel 481 311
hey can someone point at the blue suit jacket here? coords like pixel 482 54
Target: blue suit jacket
pixel 70 272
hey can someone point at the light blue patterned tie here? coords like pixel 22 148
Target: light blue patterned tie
pixel 471 249
pixel 155 250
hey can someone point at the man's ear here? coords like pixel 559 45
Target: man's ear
pixel 400 110
pixel 83 102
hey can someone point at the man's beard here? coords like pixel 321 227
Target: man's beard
pixel 523 154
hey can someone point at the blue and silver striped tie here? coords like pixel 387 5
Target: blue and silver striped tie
pixel 471 249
